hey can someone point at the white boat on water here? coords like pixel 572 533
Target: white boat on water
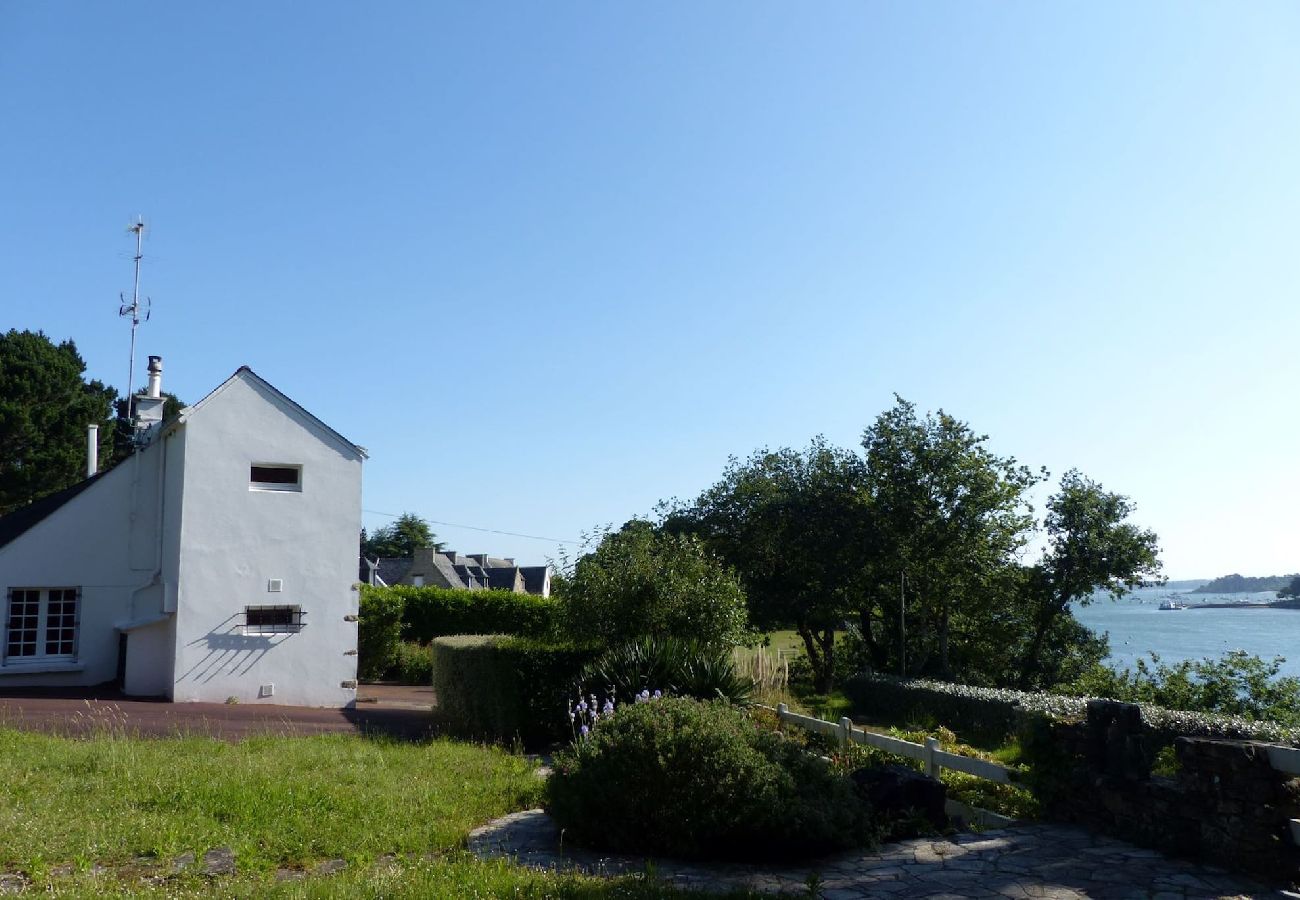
pixel 1172 603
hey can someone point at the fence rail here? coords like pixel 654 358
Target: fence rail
pixel 928 754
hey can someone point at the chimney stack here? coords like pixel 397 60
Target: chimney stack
pixel 149 403
pixel 155 377
pixel 92 450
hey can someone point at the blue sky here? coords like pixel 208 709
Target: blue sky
pixel 554 262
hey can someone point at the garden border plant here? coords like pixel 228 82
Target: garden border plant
pixel 692 779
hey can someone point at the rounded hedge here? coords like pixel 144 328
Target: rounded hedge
pixel 683 778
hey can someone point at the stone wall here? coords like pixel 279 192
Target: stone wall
pixel 1226 804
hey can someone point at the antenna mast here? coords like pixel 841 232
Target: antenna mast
pixel 137 311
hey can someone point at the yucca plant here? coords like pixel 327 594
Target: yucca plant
pixel 683 668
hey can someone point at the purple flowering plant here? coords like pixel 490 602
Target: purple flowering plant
pixel 588 710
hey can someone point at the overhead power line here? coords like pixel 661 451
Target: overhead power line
pixel 535 537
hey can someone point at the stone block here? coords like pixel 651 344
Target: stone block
pixel 898 790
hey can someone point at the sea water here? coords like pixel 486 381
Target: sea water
pixel 1137 626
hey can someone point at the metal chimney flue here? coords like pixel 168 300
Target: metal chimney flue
pixel 155 377
pixel 92 450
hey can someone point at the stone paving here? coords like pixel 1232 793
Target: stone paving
pixel 1023 861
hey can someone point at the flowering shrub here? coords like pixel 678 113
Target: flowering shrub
pixel 584 714
pixel 689 779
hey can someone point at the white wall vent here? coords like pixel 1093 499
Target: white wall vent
pixel 275 585
pixel 266 690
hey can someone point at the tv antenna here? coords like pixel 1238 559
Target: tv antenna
pixel 137 309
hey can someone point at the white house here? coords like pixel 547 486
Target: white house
pixel 217 562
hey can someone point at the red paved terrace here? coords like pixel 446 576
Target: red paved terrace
pixel 381 709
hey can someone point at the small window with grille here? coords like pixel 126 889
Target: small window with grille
pixel 41 623
pixel 273 619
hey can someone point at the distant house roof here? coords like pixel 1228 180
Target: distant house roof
pixel 534 578
pixel 391 570
pixel 447 570
pixel 20 521
pixel 502 578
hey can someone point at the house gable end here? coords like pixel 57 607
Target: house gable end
pixel 284 403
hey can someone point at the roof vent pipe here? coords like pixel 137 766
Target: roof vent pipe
pixel 92 450
pixel 155 377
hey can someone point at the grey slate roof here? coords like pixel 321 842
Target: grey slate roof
pixel 393 569
pixel 502 578
pixel 534 578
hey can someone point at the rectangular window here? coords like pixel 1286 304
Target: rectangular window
pixel 274 477
pixel 272 619
pixel 41 623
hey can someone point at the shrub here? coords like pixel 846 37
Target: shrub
pixel 991 715
pixel 680 667
pixel 691 779
pixel 430 612
pixel 502 688
pixel 379 633
pixel 639 581
pixel 1237 684
pixel 413 664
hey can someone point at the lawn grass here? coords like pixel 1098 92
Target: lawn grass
pixel 275 801
pixel 453 878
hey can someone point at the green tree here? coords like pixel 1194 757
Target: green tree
pixel 640 581
pixel 949 518
pixel 399 538
pixel 1092 548
pixel 45 406
pixel 794 526
pixel 1236 684
pixel 1292 590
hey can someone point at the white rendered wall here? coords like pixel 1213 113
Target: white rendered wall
pixel 234 540
pixel 88 544
pixel 149 660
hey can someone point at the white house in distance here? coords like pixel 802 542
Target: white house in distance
pixel 217 562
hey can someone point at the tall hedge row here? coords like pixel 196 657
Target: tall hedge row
pixel 430 612
pixel 503 688
pixel 391 615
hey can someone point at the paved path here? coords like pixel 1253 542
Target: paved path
pixel 81 713
pixel 1028 860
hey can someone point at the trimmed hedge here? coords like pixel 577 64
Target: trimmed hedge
pixel 994 713
pixel 379 633
pixel 431 612
pixel 502 688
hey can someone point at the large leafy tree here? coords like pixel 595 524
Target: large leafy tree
pixel 45 406
pixel 399 538
pixel 794 525
pixel 642 581
pixel 1092 549
pixel 949 517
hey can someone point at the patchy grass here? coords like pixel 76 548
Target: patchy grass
pixel 459 876
pixel 275 801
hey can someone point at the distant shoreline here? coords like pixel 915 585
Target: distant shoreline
pixel 1276 604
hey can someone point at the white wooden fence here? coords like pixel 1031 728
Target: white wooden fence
pixel 1283 759
pixel 929 754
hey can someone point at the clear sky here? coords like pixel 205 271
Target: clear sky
pixel 554 262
